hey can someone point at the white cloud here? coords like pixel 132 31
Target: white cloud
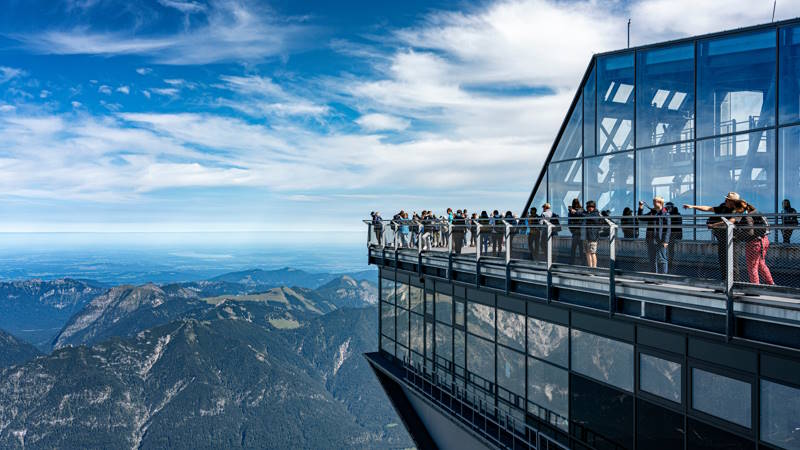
pixel 9 73
pixel 75 104
pixel 44 93
pixel 261 96
pixel 7 108
pixel 186 7
pixel 144 70
pixel 167 92
pixel 380 122
pixel 104 89
pixel 146 93
pixel 124 89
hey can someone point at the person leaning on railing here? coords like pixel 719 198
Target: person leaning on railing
pixel 676 234
pixel 718 229
pixel 377 226
pixel 659 228
pixel 590 232
pixel 752 230
pixel 788 220
pixel 458 231
pixel 630 230
pixel 575 225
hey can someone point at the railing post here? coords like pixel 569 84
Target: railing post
pixel 729 273
pixel 478 254
pixel 507 240
pixel 369 233
pixel 449 251
pixel 419 247
pixel 612 267
pixel 396 233
pixel 549 259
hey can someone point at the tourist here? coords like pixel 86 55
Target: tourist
pixel 575 225
pixel 590 232
pixel 458 229
pixel 532 221
pixel 404 229
pixel 484 220
pixel 473 230
pixel 547 215
pixel 676 233
pixel 657 234
pixel 719 229
pixel 630 230
pixel 752 230
pixel 789 221
pixel 497 232
pixel 377 226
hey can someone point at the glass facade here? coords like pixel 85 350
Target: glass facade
pixel 780 415
pixel 660 377
pixel 689 122
pixel 721 396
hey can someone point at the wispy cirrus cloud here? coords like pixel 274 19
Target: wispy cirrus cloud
pixel 9 73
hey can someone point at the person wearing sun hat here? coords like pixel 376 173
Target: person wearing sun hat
pixel 718 228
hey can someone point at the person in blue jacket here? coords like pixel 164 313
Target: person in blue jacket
pixel 657 236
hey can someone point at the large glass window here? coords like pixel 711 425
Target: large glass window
pixel 511 329
pixel 402 326
pixel 721 396
pixel 665 95
pixel 615 99
pixel 790 74
pixel 566 183
pixel 459 343
pixel 589 116
pixel 480 357
pixel 736 83
pixel 603 359
pixel 415 299
pixel 660 377
pixel 789 179
pixel 780 415
pixel 480 320
pixel 548 341
pixel 417 334
pixel 609 182
pixel 444 308
pixel 429 303
pixel 744 163
pixel 387 290
pixel 571 143
pixel 548 390
pixel 667 172
pixel 429 341
pixel 444 342
pixel 511 371
pixel 540 197
pixel 387 320
pixel 401 295
pixel 459 309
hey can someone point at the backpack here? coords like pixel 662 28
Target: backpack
pixel 760 225
pixel 556 224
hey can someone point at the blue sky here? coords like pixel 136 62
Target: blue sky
pixel 178 115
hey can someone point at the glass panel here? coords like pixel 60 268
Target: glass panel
pixel 417 334
pixel 589 131
pixel 790 74
pixel 736 83
pixel 511 329
pixel 615 98
pixel 429 341
pixel 665 95
pixel 415 298
pixel 540 197
pixel 548 389
pixel 387 290
pixel 659 428
pixel 780 415
pixel 706 437
pixel 660 377
pixel 429 303
pixel 548 341
pixel 444 342
pixel 460 320
pixel 744 163
pixel 789 178
pixel 511 370
pixel 566 183
pixel 402 327
pixel 720 396
pixel 609 182
pixel 444 308
pixel 401 295
pixel 570 145
pixel 460 349
pixel 388 346
pixel 603 359
pixel 667 172
pixel 602 416
pixel 402 353
pixel 480 357
pixel 387 320
pixel 480 320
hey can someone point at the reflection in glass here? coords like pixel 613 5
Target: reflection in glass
pixel 667 172
pixel 540 196
pixel 603 359
pixel 444 308
pixel 589 99
pixel 609 182
pixel 444 341
pixel 660 377
pixel 548 389
pixel 480 320
pixel 387 290
pixel 659 428
pixel 601 415
pixel 615 99
pixel 459 307
pixel 415 299
pixel 401 295
pixel 789 179
pixel 566 183
pixel 548 341
pixel 480 357
pixel 571 143
pixel 780 415
pixel 460 349
pixel 790 74
pixel 511 370
pixel 417 334
pixel 736 83
pixel 720 396
pixel 387 320
pixel 402 353
pixel 511 329
pixel 388 346
pixel 744 163
pixel 429 341
pixel 429 303
pixel 402 326
pixel 665 95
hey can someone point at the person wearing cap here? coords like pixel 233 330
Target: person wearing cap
pixel 550 216
pixel 657 236
pixel 590 232
pixel 719 230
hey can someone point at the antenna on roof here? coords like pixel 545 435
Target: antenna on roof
pixel 774 3
pixel 629 30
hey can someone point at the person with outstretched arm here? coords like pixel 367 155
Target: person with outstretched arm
pixel 719 230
